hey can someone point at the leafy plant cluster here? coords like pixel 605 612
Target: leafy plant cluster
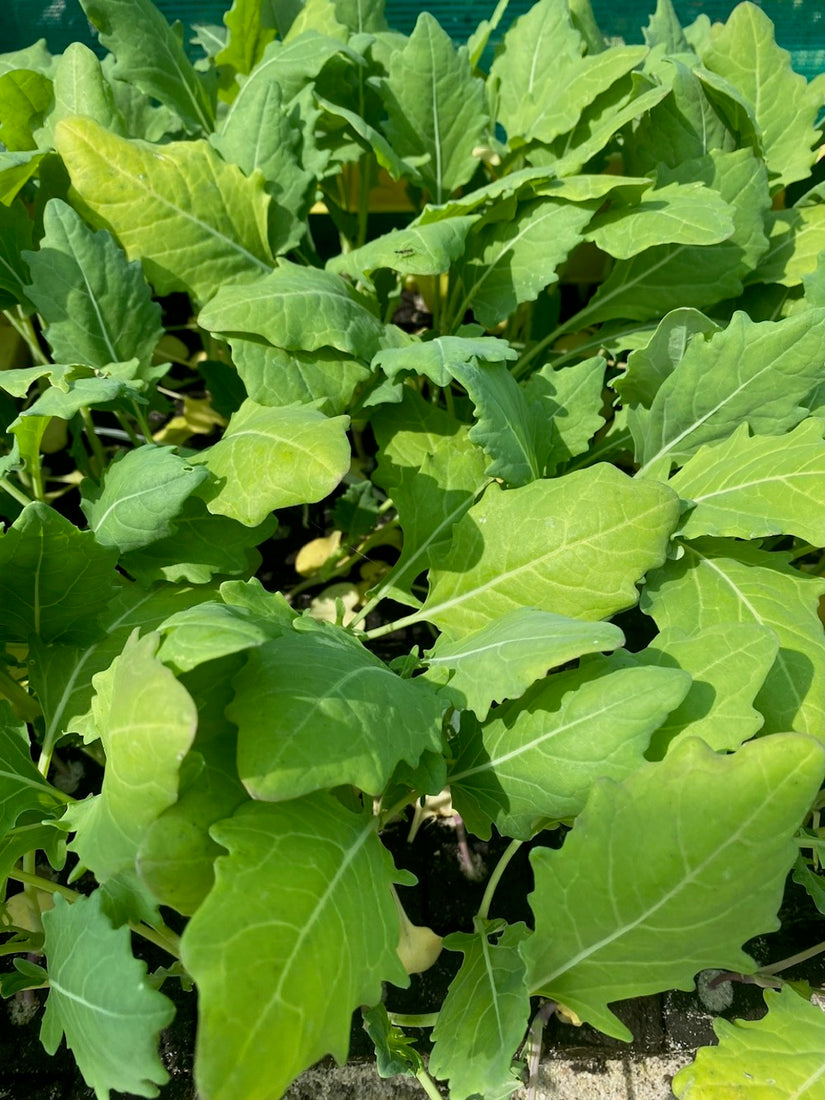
pixel 613 405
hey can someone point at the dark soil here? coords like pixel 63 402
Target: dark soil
pixel 446 900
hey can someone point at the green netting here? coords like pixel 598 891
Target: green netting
pixel 800 24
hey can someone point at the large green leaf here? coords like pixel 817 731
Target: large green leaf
pixel 417 250
pixel 26 97
pixel 54 579
pixel 503 658
pixel 251 28
pixel 318 937
pixel 258 134
pixel 296 307
pixel 290 65
pixel 313 712
pixel 195 221
pixel 510 260
pixel 146 721
pixel 97 306
pixel 595 525
pixel 678 213
pixel 81 88
pixel 649 366
pixel 720 581
pixel 201 546
pixel 442 358
pixel 569 404
pixel 273 458
pixel 151 55
pixel 538 100
pixel 325 378
pixel 22 787
pixel 610 925
pixel 432 471
pixel 435 107
pixel 669 276
pixel 539 760
pixel 758 372
pixel 753 486
pixel 61 675
pixel 484 1014
pixel 142 492
pixel 784 105
pixel 777 1056
pixel 100 1000
pixel 729 663
pixel 796 240
pixel 176 856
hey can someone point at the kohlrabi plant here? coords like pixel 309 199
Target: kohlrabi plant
pixel 386 421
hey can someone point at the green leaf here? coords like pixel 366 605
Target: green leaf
pixel 484 1015
pixel 100 999
pixel 395 1056
pixel 313 712
pixel 748 487
pixel 146 721
pixel 652 929
pixel 201 546
pixel 669 276
pixel 777 1055
pixel 53 578
pixel 721 581
pixel 432 471
pixel 417 250
pixel 568 403
pixel 213 629
pixel 758 372
pixel 251 28
pixel 301 872
pixel 729 663
pixel 291 65
pixel 324 378
pixel 503 658
pixel 22 787
pixel 141 494
pixel 785 106
pixel 796 240
pixel 15 237
pixel 81 88
pixel 16 169
pixel 176 857
pixel 296 307
pixel 621 530
pixel 274 458
pixel 511 260
pixel 61 675
pixel 97 306
pixel 539 759
pixel 151 55
pixel 435 107
pixel 678 213
pixel 26 97
pixel 194 221
pixel 259 134
pixel 649 366
pixel 442 358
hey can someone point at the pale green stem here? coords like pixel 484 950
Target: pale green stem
pixel 388 628
pixel 23 326
pixel 134 438
pixel 428 1085
pixel 143 423
pixel 91 435
pixel 801 956
pixel 14 492
pixel 495 878
pixel 402 1019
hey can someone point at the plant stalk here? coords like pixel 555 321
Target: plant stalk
pixel 14 492
pixel 495 878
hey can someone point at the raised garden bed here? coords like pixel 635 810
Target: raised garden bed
pixel 413 479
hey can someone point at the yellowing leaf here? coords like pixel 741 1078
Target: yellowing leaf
pixel 195 221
